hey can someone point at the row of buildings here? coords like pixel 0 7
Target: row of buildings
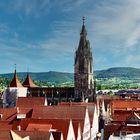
pixel 33 119
pixel 121 118
pixel 109 118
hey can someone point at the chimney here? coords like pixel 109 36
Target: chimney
pixel 17 109
pixel 19 128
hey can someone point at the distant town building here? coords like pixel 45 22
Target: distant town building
pixel 83 69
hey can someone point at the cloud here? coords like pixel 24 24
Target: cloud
pixel 132 60
pixel 70 5
pixel 56 50
pixel 116 22
pixel 30 8
pixel 37 8
pixel 133 38
pixel 113 30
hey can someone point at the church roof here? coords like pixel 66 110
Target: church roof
pixel 83 43
pixel 15 81
pixel 83 30
pixel 28 82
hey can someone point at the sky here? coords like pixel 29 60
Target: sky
pixel 42 35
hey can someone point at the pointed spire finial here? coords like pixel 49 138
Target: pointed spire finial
pixel 15 67
pixel 84 20
pixel 83 30
pixel 27 69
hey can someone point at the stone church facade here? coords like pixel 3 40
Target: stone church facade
pixel 83 69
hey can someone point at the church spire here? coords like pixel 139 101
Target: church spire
pixel 15 81
pixel 83 69
pixel 28 81
pixel 83 41
pixel 83 30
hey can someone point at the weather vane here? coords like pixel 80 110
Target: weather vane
pixel 84 20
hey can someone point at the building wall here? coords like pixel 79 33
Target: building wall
pixel 95 124
pixel 71 135
pixel 86 131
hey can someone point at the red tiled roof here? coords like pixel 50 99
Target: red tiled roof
pixel 59 112
pixel 108 97
pixel 57 124
pixel 5 126
pixel 38 135
pixel 38 127
pixel 21 110
pixel 30 102
pixel 117 128
pixel 15 124
pixel 120 116
pixel 25 123
pixel 60 125
pixel 76 103
pixel 8 114
pixel 28 82
pixel 5 135
pixel 125 104
pixel 90 106
pixel 15 81
pixel 123 115
pixel 24 112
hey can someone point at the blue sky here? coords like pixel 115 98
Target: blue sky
pixel 42 35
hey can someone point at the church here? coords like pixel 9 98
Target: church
pixel 83 69
pixel 84 83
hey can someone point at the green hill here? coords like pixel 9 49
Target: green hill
pixel 119 72
pixel 51 76
pixel 125 73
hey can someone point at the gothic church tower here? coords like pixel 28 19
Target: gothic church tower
pixel 83 69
